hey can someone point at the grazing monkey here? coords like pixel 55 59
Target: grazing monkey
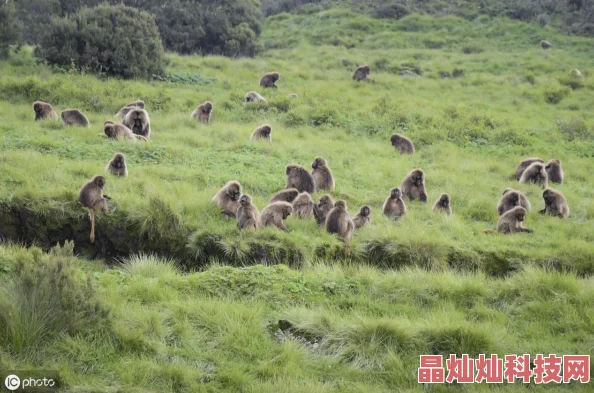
pixel 128 107
pixel 545 44
pixel 202 112
pixel 74 117
pixel 117 165
pixel 303 205
pixel 43 111
pixel 228 198
pixel 139 122
pixel 443 205
pixel 512 198
pixel 512 221
pixel 361 73
pixel 402 144
pixel 554 171
pixel 252 96
pixel 394 206
pixel 525 164
pixel 555 204
pixel 269 79
pixel 91 196
pixel 322 175
pixel 262 132
pixel 298 177
pixel 275 213
pixel 322 209
pixel 286 195
pixel 536 174
pixel 248 216
pixel 339 222
pixel 575 73
pixel 116 131
pixel 413 186
pixel 363 218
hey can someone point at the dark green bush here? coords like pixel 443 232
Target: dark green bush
pixel 11 28
pixel 391 11
pixel 555 96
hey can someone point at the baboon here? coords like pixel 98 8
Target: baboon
pixel 394 206
pixel 512 221
pixel 116 131
pixel 362 218
pixel 525 164
pixel 443 205
pixel 339 222
pixel 512 198
pixel 202 112
pixel 303 206
pixel 74 117
pixel 554 171
pixel 555 204
pixel 322 175
pixel 228 198
pixel 269 79
pixel 402 144
pixel 128 107
pixel 91 196
pixel 248 216
pixel 117 165
pixel 361 73
pixel 262 132
pixel 43 110
pixel 252 96
pixel 275 213
pixel 322 209
pixel 545 44
pixel 536 174
pixel 298 177
pixel 413 186
pixel 576 74
pixel 139 122
pixel 286 195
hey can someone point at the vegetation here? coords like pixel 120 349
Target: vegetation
pixel 11 28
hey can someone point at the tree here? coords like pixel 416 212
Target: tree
pixel 11 28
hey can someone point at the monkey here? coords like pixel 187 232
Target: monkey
pixel 554 171
pixel 275 213
pixel 525 164
pixel 74 117
pixel 139 122
pixel 512 221
pixel 402 144
pixel 91 196
pixel 117 165
pixel 576 73
pixel 228 198
pixel 262 132
pixel 394 206
pixel 303 206
pixel 413 186
pixel 248 216
pixel 299 178
pixel 555 204
pixel 361 73
pixel 545 44
pixel 443 204
pixel 128 107
pixel 43 110
pixel 536 174
pixel 116 131
pixel 322 209
pixel 512 198
pixel 252 96
pixel 285 195
pixel 339 222
pixel 322 175
pixel 363 218
pixel 202 112
pixel 269 79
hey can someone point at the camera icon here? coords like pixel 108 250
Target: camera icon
pixel 12 382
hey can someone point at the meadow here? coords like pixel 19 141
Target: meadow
pixel 183 320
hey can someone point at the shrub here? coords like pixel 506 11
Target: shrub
pixel 11 28
pixel 555 96
pixel 574 129
pixel 117 40
pixel 391 11
pixel 572 82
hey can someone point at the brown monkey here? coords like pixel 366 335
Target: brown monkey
pixel 545 44
pixel 554 171
pixel 402 144
pixel 555 204
pixel 322 175
pixel 361 73
pixel 275 213
pixel 512 221
pixel 117 165
pixel 128 107
pixel 269 79
pixel 536 174
pixel 286 195
pixel 298 177
pixel 322 209
pixel 43 110
pixel 262 132
pixel 575 73
pixel 202 112
pixel 512 198
pixel 74 117
pixel 443 205
pixel 413 186
pixel 116 131
pixel 139 122
pixel 339 222
pixel 303 205
pixel 252 96
pixel 394 206
pixel 228 198
pixel 91 196
pixel 248 216
pixel 525 164
pixel 362 218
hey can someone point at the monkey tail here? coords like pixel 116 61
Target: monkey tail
pixel 489 231
pixel 141 137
